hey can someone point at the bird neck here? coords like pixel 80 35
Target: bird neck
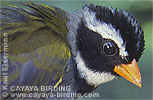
pixel 71 78
pixel 80 83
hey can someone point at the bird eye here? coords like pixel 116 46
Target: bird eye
pixel 109 49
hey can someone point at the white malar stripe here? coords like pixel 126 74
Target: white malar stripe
pixel 91 77
pixel 105 30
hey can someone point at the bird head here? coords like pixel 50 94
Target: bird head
pixel 105 43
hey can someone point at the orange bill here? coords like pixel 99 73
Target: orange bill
pixel 130 72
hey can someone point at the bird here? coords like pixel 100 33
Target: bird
pixel 48 46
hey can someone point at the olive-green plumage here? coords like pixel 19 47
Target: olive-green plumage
pixel 37 33
pixel 40 21
pixel 50 47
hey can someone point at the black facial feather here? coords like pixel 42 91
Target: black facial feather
pixel 81 85
pixel 128 26
pixel 90 45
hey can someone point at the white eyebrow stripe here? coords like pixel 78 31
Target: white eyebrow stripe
pixel 105 30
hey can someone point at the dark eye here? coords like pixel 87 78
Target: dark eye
pixel 109 49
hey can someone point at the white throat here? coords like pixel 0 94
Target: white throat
pixel 91 77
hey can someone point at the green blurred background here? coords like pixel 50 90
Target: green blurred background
pixel 120 88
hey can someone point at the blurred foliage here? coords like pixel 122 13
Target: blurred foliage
pixel 142 10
